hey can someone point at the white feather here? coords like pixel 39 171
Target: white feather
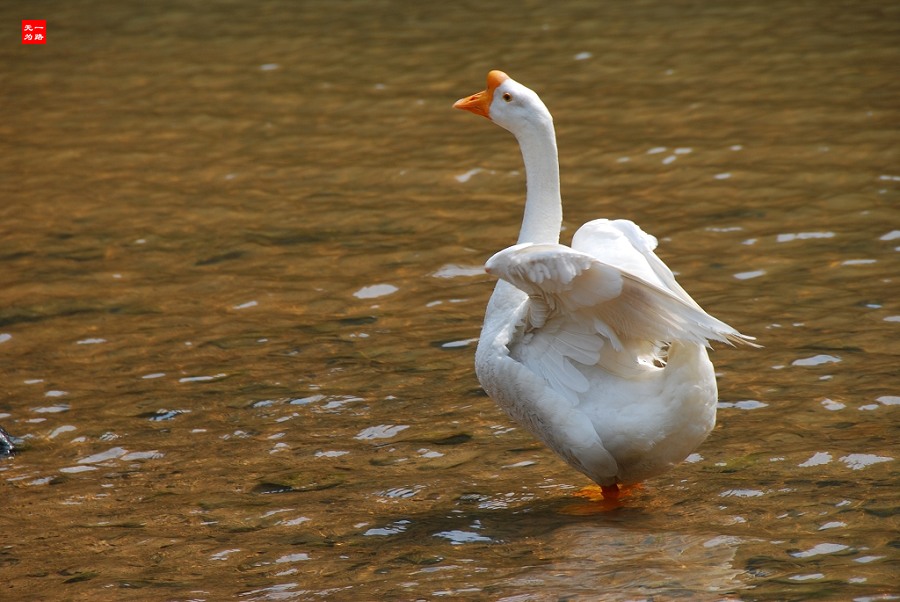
pixel 594 348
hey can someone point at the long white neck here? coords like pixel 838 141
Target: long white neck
pixel 543 204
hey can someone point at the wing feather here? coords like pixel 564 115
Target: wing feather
pixel 616 306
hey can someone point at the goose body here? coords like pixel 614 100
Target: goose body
pixel 594 348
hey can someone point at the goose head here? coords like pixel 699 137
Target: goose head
pixel 509 104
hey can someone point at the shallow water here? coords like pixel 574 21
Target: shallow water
pixel 241 250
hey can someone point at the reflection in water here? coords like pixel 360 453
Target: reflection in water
pixel 585 561
pixel 242 280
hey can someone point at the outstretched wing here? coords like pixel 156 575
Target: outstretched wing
pixel 623 244
pixel 621 306
pixel 581 309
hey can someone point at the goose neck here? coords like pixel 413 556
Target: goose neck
pixel 543 204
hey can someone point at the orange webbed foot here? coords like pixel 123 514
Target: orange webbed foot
pixel 602 498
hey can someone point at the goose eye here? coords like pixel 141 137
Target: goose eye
pixel 507 96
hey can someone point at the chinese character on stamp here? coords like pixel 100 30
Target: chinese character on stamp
pixel 34 32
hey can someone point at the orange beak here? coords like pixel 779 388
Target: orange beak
pixel 480 103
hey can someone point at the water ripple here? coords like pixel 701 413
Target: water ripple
pixel 457 537
pixel 816 360
pixel 375 290
pixel 381 431
pixel 860 461
pixel 789 237
pixel 822 548
pixel 818 459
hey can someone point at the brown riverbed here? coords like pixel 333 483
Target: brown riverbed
pixel 241 250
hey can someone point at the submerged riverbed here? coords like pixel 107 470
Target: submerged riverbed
pixel 242 285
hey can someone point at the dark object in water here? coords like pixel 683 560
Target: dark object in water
pixel 7 447
pixel 160 415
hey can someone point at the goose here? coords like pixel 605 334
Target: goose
pixel 593 348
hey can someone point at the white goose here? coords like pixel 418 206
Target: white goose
pixel 594 348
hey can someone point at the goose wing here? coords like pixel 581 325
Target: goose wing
pixel 582 311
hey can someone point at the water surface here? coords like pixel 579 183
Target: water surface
pixel 241 256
